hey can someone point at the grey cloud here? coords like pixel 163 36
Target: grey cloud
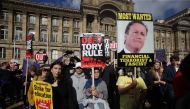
pixel 160 8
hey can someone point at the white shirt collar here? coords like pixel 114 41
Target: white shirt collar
pixel 126 51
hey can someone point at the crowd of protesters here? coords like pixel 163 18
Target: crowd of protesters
pixel 157 87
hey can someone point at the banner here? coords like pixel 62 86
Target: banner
pixel 161 55
pixel 42 95
pixel 135 39
pixel 107 47
pixel 29 50
pixel 92 50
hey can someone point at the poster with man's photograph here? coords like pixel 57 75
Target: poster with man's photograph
pixel 135 39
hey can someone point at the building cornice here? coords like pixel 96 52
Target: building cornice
pixel 39 8
pixel 179 15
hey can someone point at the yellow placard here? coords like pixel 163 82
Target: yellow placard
pixel 42 95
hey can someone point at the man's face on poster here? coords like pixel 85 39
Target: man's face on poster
pixel 135 37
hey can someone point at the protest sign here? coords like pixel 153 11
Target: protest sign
pixel 92 50
pixel 42 95
pixel 135 39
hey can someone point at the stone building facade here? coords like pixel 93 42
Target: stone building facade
pixel 173 34
pixel 58 29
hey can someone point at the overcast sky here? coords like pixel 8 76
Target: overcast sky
pixel 161 9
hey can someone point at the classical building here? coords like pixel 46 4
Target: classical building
pixel 173 34
pixel 56 29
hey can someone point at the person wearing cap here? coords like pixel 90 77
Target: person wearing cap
pixel 41 75
pixel 79 81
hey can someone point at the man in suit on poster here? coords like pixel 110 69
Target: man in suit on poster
pixel 135 36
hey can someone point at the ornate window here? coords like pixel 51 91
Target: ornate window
pixel 55 22
pixel 54 54
pixel 18 34
pixel 32 19
pixel 54 36
pixel 44 20
pixel 65 37
pixel 16 53
pixel 4 16
pixel 2 52
pixel 18 17
pixel 75 38
pixel 4 32
pixel 43 36
pixel 65 22
pixel 76 23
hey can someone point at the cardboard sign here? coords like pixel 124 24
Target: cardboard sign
pixel 42 95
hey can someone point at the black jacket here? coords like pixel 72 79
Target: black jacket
pixel 64 96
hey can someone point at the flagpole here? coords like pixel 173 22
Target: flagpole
pixel 26 74
pixel 47 48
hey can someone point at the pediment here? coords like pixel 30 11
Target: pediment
pixel 184 22
pixel 108 20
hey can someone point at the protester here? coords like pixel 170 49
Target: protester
pixel 63 93
pixel 169 74
pixel 110 76
pixel 41 75
pixel 79 81
pixel 99 91
pixel 30 76
pixel 181 84
pixel 5 84
pixel 156 86
pixel 132 91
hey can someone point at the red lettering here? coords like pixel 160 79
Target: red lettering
pixel 88 40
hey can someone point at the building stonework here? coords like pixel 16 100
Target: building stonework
pixel 58 29
pixel 173 34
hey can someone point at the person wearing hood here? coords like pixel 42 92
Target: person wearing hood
pixel 79 80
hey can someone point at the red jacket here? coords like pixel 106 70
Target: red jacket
pixel 180 84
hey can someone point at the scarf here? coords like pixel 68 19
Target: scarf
pixel 89 83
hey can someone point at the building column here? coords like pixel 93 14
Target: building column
pixel 49 35
pixel 24 27
pixel 70 31
pixel 9 50
pixel 37 28
pixel 84 24
pixel 24 34
pixel 188 41
pixel 178 40
pixel 10 26
pixel 95 25
pixel 60 30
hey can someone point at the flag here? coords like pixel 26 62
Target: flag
pixel 60 59
pixel 30 63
